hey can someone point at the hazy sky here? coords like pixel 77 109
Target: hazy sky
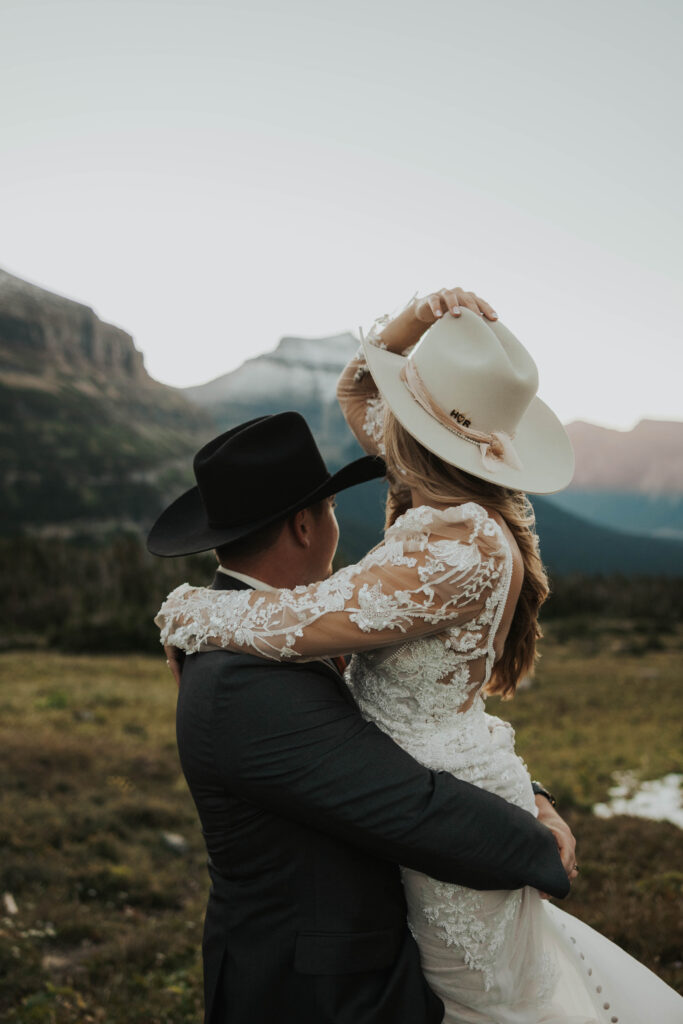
pixel 213 175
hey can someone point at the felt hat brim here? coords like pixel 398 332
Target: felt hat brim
pixel 541 442
pixel 183 529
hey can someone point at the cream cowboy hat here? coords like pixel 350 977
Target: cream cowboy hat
pixel 467 392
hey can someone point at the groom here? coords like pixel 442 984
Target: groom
pixel 307 810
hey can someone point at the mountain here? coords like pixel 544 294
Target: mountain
pixel 628 479
pixel 645 460
pixel 650 515
pixel 570 544
pixel 301 373
pixel 89 442
pixel 87 439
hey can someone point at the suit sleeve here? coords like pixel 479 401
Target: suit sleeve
pixel 287 740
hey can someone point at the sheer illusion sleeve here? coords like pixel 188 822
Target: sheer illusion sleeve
pixel 363 409
pixel 435 569
pixel 359 399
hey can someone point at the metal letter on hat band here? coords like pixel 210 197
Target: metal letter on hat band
pixel 496 446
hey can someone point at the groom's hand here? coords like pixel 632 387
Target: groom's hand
pixel 566 843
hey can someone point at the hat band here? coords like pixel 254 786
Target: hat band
pixel 495 447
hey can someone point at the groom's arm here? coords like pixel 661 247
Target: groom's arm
pixel 287 740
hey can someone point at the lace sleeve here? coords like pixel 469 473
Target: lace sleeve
pixel 359 398
pixel 435 568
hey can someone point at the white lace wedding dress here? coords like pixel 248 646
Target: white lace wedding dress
pixel 426 613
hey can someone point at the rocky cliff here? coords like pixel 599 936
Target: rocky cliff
pixel 45 334
pixel 88 440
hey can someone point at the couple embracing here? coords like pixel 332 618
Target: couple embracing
pixel 378 852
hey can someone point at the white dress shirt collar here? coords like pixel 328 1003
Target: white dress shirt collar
pixel 249 580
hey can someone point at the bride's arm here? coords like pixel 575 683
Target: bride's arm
pixel 434 569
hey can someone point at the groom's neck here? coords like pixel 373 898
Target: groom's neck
pixel 276 567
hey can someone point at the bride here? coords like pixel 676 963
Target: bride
pixel 439 615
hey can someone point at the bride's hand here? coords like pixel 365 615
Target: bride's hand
pixel 451 300
pixel 411 323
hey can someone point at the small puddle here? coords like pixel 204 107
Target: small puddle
pixel 659 799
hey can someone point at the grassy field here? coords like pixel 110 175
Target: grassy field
pixel 101 853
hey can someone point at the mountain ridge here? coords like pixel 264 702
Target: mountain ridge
pixel 628 481
pixel 648 459
pixel 42 333
pixel 89 439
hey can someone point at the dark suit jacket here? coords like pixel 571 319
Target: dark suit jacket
pixel 307 811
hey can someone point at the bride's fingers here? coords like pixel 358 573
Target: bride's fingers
pixel 428 309
pixel 451 301
pixel 469 301
pixel 488 311
pixel 436 303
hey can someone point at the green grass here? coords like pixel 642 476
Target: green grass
pixel 600 702
pixel 109 917
pixel 109 920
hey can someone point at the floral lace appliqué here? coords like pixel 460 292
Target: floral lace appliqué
pixel 434 568
pixel 457 913
pixel 373 424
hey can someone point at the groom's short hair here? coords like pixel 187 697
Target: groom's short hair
pixel 260 540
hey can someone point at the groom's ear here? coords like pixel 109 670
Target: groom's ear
pixel 300 525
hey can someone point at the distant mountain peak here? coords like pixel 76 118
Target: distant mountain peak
pixel 303 368
pixel 647 459
pixel 317 351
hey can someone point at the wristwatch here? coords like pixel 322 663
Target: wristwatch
pixel 540 790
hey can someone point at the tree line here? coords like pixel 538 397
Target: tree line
pixel 85 595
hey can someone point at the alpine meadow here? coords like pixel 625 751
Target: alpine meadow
pixel 103 878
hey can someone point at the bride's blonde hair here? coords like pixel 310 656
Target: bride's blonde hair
pixel 411 465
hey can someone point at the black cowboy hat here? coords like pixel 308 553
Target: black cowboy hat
pixel 249 477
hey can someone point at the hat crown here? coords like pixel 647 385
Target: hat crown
pixel 477 372
pixel 272 461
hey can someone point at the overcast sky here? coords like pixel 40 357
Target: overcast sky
pixel 213 175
